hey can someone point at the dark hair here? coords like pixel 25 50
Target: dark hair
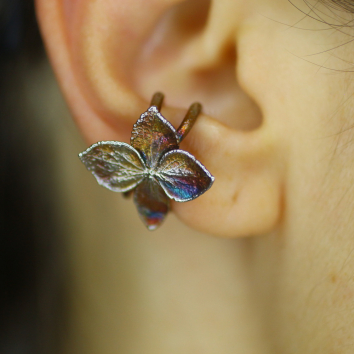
pixel 346 5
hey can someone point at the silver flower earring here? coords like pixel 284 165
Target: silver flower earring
pixel 152 166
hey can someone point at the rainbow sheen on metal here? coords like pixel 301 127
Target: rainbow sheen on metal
pixel 182 176
pixel 152 203
pixel 153 135
pixel 153 168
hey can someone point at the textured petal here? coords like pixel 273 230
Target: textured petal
pixel 116 166
pixel 152 203
pixel 183 177
pixel 153 135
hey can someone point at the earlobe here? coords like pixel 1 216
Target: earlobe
pixel 246 197
pixel 95 49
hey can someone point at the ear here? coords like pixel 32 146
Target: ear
pixel 111 56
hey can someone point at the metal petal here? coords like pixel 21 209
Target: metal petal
pixel 153 135
pixel 182 176
pixel 152 203
pixel 116 166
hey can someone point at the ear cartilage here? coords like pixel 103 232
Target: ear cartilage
pixel 152 167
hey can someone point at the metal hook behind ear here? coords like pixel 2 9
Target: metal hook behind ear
pixel 157 100
pixel 188 121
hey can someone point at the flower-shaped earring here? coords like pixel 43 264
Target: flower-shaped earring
pixel 153 166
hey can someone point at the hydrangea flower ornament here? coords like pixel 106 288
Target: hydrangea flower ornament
pixel 152 166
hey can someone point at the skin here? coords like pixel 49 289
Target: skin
pixel 276 134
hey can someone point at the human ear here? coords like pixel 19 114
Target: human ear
pixel 110 56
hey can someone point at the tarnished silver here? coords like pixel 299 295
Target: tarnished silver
pixel 153 166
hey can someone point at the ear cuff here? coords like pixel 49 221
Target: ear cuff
pixel 152 166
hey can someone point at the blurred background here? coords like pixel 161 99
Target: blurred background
pixel 32 256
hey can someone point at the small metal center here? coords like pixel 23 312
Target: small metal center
pixel 151 173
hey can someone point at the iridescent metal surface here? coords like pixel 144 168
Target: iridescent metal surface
pixel 182 177
pixel 153 135
pixel 152 167
pixel 152 203
pixel 116 166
